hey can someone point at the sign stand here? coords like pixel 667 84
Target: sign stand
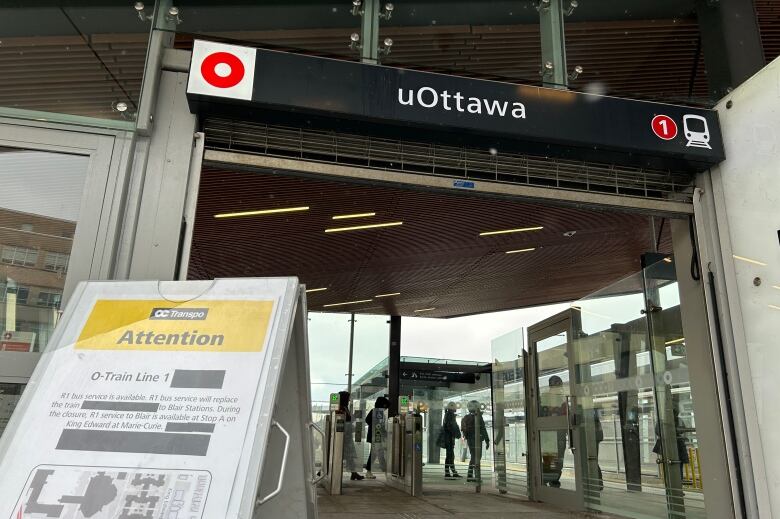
pixel 154 397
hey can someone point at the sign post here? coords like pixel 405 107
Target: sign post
pixel 154 397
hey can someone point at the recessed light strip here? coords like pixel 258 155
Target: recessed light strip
pixel 356 215
pixel 349 303
pixel 425 309
pixel 675 341
pixel 263 212
pixel 360 227
pixel 520 250
pixel 389 295
pixel 507 231
pixel 316 290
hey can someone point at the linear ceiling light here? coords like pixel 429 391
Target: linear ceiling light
pixel 263 212
pixel 389 295
pixel 356 215
pixel 507 231
pixel 425 309
pixel 755 262
pixel 316 290
pixel 776 286
pixel 360 227
pixel 675 341
pixel 349 303
pixel 774 307
pixel 520 250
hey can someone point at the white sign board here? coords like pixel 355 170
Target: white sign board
pixel 147 402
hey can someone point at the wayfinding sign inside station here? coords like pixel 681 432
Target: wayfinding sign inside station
pixel 247 82
pixel 146 404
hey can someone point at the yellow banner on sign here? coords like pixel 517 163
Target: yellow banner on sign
pixel 160 325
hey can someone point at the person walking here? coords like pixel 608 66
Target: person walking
pixel 350 453
pixel 447 435
pixel 473 428
pixel 375 421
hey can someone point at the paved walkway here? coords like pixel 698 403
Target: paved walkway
pixel 375 500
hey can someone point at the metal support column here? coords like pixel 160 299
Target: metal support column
pixel 369 32
pixel 553 44
pixel 731 42
pixel 394 364
pixel 351 351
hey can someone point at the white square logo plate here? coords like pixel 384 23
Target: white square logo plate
pixel 222 70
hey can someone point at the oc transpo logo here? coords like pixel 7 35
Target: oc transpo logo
pixel 179 314
pixel 222 70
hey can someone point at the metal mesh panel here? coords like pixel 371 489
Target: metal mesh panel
pixel 441 160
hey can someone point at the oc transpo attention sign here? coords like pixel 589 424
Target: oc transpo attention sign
pixel 294 89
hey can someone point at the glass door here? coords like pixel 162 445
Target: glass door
pixel 554 440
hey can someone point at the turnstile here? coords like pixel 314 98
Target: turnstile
pixel 404 443
pixel 333 453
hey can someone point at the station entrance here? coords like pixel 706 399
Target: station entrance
pixel 592 409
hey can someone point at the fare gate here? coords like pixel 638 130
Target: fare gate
pixel 404 441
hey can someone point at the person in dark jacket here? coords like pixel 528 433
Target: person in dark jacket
pixel 447 435
pixel 377 451
pixel 473 427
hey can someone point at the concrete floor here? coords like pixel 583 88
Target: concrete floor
pixel 375 500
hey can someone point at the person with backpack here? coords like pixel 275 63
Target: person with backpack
pixel 350 453
pixel 473 428
pixel 448 433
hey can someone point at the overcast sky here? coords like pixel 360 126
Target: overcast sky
pixel 463 338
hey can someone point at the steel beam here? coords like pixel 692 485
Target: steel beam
pixel 731 42
pixel 394 364
pixel 551 28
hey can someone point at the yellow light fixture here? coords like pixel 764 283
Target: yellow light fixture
pixel 425 309
pixel 360 227
pixel 755 262
pixel 356 215
pixel 263 212
pixel 668 259
pixel 348 303
pixel 675 341
pixel 316 290
pixel 508 231
pixel 776 286
pixel 520 250
pixel 389 295
pixel 774 307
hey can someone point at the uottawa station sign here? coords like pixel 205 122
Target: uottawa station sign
pixel 326 93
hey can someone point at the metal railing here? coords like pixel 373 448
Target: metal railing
pixel 443 160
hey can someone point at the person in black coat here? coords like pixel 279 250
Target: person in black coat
pixel 377 452
pixel 447 435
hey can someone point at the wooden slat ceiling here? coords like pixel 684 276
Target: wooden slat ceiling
pixel 633 58
pixel 436 259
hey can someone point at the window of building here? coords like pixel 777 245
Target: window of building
pixel 49 299
pixel 22 294
pixel 56 262
pixel 22 256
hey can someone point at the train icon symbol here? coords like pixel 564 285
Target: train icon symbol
pixel 696 131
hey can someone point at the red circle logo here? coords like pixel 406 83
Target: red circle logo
pixel 664 127
pixel 208 69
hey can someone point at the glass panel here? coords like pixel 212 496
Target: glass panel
pixel 316 28
pixel 637 49
pixel 558 470
pixel 328 359
pixel 552 381
pixel 511 450
pixel 81 59
pixel 9 397
pixel 621 383
pixel 676 440
pixel 39 208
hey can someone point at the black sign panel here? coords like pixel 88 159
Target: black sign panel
pixel 423 106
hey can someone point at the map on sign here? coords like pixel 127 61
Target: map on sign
pixel 66 492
